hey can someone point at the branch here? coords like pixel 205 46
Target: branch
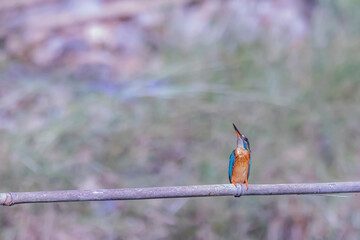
pixel 11 198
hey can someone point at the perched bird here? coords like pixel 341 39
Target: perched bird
pixel 240 161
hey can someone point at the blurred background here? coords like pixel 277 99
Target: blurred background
pixel 117 94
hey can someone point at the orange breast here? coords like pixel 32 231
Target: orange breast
pixel 241 166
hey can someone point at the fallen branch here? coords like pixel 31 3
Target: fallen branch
pixel 12 198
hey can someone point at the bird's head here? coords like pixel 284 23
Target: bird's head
pixel 242 140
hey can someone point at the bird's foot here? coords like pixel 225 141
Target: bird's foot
pixel 233 183
pixel 247 185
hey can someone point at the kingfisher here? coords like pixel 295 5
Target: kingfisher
pixel 240 161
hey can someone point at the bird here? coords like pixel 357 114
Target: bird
pixel 240 161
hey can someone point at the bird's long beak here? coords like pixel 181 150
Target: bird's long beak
pixel 239 137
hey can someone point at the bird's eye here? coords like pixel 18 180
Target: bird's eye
pixel 246 139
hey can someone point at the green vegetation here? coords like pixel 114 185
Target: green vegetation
pixel 298 103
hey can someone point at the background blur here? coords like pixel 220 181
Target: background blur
pixel 113 94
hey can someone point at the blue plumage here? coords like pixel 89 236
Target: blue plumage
pixel 231 164
pixel 246 144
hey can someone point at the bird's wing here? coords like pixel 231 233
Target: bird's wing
pixel 249 169
pixel 231 164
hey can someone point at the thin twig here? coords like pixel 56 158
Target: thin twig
pixel 11 198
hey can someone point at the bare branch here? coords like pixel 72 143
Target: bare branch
pixel 11 198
